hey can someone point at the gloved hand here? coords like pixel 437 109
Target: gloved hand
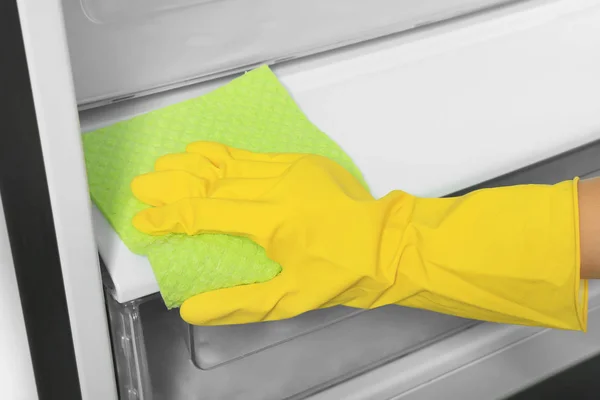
pixel 504 255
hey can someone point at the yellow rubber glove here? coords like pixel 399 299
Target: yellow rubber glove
pixel 507 255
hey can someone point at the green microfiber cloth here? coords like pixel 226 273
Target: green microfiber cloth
pixel 253 112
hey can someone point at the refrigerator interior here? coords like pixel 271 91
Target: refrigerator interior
pixel 156 354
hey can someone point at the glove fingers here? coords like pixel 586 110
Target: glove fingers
pixel 193 216
pixel 255 169
pixel 199 165
pixel 295 291
pixel 195 164
pixel 271 300
pixel 166 187
pixel 219 153
pixel 242 189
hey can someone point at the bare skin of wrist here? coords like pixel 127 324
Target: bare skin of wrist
pixel 589 227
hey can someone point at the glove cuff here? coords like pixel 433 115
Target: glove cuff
pixel 508 255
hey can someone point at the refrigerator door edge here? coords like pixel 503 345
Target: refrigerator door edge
pixel 53 93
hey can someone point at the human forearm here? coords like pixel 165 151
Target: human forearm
pixel 589 227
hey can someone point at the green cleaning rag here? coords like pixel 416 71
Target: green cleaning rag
pixel 253 112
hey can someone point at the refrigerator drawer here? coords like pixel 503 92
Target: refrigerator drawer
pixel 158 356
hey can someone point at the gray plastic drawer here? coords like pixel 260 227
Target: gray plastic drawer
pixel 158 356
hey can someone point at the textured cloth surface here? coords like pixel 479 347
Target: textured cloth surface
pixel 253 112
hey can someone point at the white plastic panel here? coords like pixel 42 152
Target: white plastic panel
pixel 103 11
pixel 124 47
